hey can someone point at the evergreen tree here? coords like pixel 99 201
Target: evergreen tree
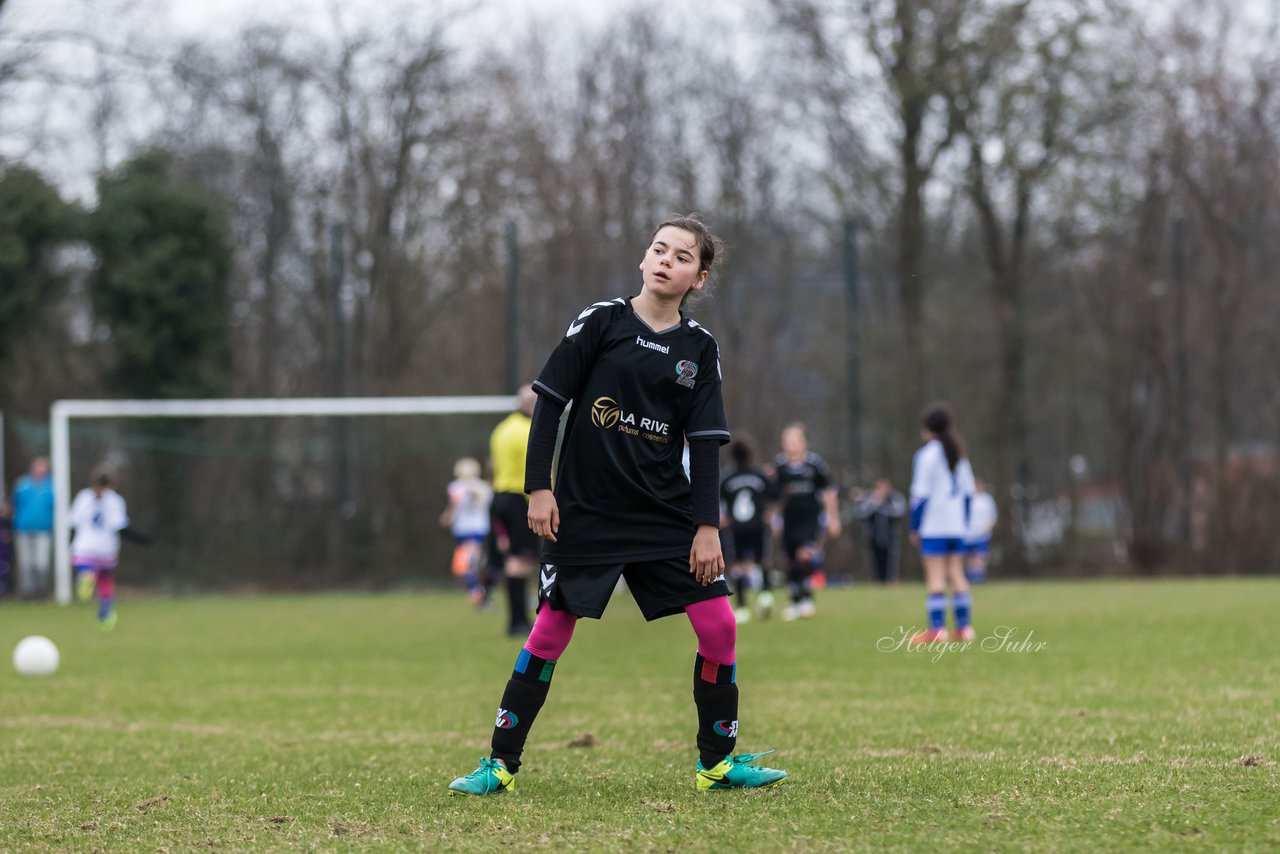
pixel 34 223
pixel 161 281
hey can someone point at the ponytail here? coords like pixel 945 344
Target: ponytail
pixel 937 420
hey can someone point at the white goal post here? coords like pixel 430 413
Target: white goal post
pixel 62 411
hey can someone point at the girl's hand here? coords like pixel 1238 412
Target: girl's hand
pixel 544 514
pixel 706 562
pixel 915 539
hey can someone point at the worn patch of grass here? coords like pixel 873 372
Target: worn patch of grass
pixel 1147 719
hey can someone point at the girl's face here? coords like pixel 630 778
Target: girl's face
pixel 794 444
pixel 671 264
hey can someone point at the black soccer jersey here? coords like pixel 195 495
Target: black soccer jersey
pixel 799 486
pixel 746 494
pixel 637 394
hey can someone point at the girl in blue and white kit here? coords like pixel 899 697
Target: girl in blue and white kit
pixel 467 515
pixel 942 488
pixel 99 516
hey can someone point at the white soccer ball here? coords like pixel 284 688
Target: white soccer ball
pixel 35 656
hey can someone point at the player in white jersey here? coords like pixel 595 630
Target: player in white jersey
pixel 98 515
pixel 941 494
pixel 467 515
pixel 977 543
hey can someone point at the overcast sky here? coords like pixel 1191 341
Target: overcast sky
pixel 196 16
pixel 44 127
pixel 199 18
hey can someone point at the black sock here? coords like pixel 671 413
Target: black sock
pixel 715 693
pixel 526 692
pixel 518 599
pixel 798 578
pixel 744 584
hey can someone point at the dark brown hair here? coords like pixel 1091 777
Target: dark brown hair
pixel 937 420
pixel 101 476
pixel 708 247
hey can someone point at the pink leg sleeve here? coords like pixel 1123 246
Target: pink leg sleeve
pixel 105 585
pixel 552 631
pixel 716 629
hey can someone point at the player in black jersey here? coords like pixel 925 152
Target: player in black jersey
pixel 746 494
pixel 808 494
pixel 642 378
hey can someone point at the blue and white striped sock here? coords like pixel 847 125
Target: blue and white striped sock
pixel 960 603
pixel 936 605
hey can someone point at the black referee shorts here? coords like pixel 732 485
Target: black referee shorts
pixel 510 512
pixel 748 542
pixel 660 587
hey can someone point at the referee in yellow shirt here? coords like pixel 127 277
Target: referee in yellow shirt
pixel 510 508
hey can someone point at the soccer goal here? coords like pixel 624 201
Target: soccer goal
pixel 218 472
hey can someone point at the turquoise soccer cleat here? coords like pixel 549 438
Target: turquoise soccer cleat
pixel 735 772
pixel 491 778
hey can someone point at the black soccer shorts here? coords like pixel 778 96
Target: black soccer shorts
pixel 799 536
pixel 748 542
pixel 510 512
pixel 660 587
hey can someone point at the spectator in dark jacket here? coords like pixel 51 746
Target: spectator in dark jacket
pixel 881 511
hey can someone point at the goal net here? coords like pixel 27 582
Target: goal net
pixel 272 493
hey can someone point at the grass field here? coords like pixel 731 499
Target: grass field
pixel 1148 718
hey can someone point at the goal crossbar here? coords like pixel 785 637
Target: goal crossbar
pixel 62 411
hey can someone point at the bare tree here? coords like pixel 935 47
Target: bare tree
pixel 1030 95
pixel 1223 148
pixel 915 48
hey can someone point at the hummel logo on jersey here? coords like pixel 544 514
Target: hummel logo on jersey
pixel 507 720
pixel 729 729
pixel 548 578
pixel 652 346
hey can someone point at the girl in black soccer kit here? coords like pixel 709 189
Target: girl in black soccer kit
pixel 746 494
pixel 807 492
pixel 642 378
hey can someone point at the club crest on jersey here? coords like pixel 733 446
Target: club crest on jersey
pixel 729 729
pixel 685 372
pixel 508 720
pixel 608 415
